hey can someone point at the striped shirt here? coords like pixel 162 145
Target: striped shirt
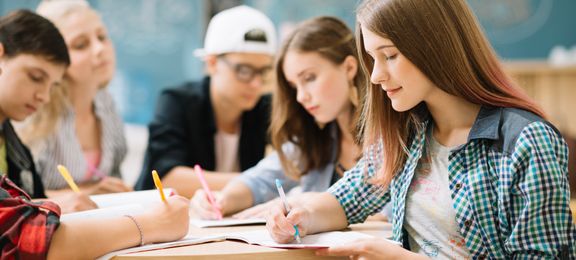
pixel 508 183
pixel 63 147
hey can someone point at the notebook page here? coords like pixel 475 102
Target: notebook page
pixel 186 241
pixel 321 240
pixel 130 209
pixel 226 222
pixel 134 197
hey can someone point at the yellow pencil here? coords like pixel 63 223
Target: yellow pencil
pixel 68 178
pixel 158 184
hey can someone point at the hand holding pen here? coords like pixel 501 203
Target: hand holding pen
pixel 207 192
pixel 283 221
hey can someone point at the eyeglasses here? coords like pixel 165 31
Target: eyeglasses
pixel 246 72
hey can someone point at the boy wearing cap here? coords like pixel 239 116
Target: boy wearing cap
pixel 220 122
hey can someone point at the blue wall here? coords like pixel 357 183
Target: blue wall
pixel 155 39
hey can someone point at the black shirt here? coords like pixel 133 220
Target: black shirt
pixel 21 168
pixel 182 132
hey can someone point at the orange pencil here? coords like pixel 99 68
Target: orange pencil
pixel 158 184
pixel 68 178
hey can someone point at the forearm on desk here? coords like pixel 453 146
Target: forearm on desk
pixel 236 196
pixel 84 239
pixel 184 180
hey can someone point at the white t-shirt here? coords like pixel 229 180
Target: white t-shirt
pixel 226 148
pixel 430 217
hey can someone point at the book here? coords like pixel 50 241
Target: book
pixel 316 241
pixel 226 222
pixel 186 241
pixel 116 211
pixel 256 237
pixel 133 197
pixel 118 204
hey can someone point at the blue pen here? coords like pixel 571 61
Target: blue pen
pixel 287 208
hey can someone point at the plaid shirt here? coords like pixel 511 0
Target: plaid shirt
pixel 509 187
pixel 26 227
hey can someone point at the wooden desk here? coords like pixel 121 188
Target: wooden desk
pixel 231 250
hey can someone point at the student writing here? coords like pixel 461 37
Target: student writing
pixel 470 165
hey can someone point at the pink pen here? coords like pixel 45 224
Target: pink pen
pixel 209 194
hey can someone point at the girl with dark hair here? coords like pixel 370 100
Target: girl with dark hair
pixel 471 167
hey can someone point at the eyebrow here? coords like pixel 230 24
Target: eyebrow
pixel 384 47
pixel 38 69
pixel 304 71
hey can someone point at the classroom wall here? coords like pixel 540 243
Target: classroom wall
pixel 155 39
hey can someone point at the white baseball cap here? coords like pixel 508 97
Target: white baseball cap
pixel 239 29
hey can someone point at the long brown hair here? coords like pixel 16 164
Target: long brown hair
pixel 443 40
pixel 333 40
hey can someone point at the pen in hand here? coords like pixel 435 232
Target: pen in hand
pixel 207 190
pixel 287 208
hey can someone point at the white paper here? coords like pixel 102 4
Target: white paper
pixel 129 209
pixel 226 222
pixel 257 237
pixel 123 198
pixel 188 240
pixel 321 240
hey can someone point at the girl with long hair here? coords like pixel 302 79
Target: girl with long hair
pixel 471 167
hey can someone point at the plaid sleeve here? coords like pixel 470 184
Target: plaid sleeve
pixel 356 195
pixel 26 228
pixel 540 216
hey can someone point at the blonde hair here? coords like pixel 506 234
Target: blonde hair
pixel 445 42
pixel 56 9
pixel 44 122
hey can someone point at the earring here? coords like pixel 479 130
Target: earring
pixel 354 96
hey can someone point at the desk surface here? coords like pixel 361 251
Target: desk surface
pixel 239 251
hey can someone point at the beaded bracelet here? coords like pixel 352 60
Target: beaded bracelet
pixel 139 228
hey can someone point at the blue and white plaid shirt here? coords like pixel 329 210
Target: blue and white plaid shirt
pixel 509 187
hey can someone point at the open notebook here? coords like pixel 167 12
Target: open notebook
pixel 226 222
pixel 118 204
pixel 116 211
pixel 133 197
pixel 257 237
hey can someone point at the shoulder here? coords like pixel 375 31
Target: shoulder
pixel 105 105
pixel 521 125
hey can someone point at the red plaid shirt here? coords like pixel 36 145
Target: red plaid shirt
pixel 26 227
